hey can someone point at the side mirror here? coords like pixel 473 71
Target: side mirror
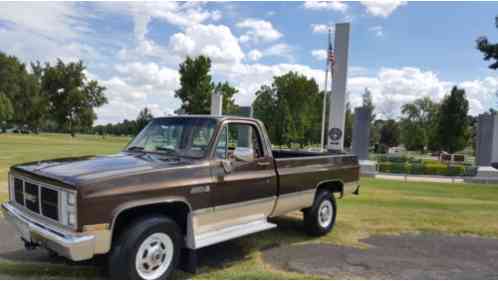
pixel 495 165
pixel 227 166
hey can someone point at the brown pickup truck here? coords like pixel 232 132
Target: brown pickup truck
pixel 184 183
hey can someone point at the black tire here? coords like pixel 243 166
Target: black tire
pixel 312 215
pixel 121 263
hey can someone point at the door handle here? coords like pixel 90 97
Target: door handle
pixel 262 164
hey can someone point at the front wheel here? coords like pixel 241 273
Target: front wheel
pixel 148 250
pixel 320 218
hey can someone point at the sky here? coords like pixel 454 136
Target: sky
pixel 399 50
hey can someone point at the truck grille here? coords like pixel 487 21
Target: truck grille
pixel 37 198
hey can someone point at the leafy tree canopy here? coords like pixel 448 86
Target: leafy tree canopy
pixel 390 133
pixel 143 118
pixel 452 130
pixel 72 97
pixel 291 109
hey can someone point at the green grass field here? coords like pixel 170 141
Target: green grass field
pixel 383 207
pixel 15 148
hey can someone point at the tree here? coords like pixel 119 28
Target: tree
pixel 489 50
pixel 368 103
pixel 228 92
pixel 6 110
pixel 390 133
pixel 143 118
pixel 348 129
pixel 72 98
pixel 290 107
pixel 418 123
pixel 22 87
pixel 196 86
pixel 453 130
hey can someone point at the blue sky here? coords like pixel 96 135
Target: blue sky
pixel 399 50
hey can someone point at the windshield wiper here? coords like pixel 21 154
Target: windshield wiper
pixel 135 148
pixel 167 150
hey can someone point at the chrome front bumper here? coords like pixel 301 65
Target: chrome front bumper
pixel 72 245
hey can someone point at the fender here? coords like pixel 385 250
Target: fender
pixel 146 202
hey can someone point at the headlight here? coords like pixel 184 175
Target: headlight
pixel 69 214
pixel 11 187
pixel 71 199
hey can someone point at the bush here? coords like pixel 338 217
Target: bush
pixel 470 171
pixel 392 158
pixel 425 169
pixel 416 169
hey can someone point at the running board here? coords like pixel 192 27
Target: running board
pixel 225 234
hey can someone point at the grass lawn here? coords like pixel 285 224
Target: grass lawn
pixel 383 207
pixel 17 148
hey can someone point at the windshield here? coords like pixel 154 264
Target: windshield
pixel 175 136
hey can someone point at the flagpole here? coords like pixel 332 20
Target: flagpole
pixel 324 108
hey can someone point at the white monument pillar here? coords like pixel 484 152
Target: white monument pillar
pixel 216 104
pixel 337 113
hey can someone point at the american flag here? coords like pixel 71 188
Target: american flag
pixel 331 54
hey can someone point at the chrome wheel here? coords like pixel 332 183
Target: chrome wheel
pixel 325 214
pixel 154 256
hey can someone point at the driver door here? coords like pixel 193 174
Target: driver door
pixel 245 179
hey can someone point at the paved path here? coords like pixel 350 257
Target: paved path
pixel 394 257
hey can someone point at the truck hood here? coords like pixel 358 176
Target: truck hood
pixel 79 170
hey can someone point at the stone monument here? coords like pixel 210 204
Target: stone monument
pixel 486 148
pixel 337 112
pixel 361 141
pixel 216 104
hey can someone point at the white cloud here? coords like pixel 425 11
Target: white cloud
pixel 255 55
pixel 391 88
pixel 54 20
pixel 258 31
pixel 45 31
pixel 481 94
pixel 334 5
pixel 175 13
pixel 281 50
pixel 377 30
pixel 319 55
pixel 138 85
pixel 382 8
pixel 215 41
pixel 322 28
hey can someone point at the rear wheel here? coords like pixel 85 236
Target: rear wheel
pixel 320 218
pixel 149 249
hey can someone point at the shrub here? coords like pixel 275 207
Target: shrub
pixel 435 169
pixel 392 158
pixel 470 171
pixel 425 169
pixel 416 169
pixel 454 171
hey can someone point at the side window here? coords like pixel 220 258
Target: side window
pixel 244 143
pixel 221 146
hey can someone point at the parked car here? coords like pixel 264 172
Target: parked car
pixel 495 165
pixel 182 184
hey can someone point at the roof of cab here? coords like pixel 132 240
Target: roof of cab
pixel 217 117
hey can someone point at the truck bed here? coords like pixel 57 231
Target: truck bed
pixel 300 171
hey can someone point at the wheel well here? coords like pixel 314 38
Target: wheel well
pixel 332 186
pixel 177 211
